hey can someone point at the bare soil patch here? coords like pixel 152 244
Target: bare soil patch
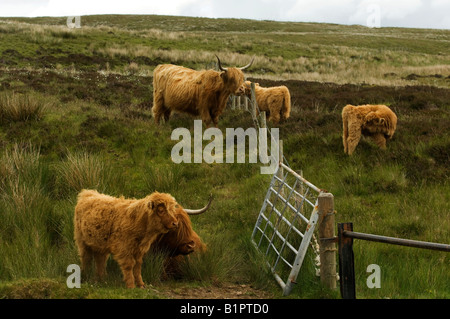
pixel 225 291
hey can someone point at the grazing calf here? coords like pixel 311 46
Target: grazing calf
pixel 275 101
pixel 125 228
pixel 375 121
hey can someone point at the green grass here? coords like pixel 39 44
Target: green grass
pixel 84 120
pixel 311 51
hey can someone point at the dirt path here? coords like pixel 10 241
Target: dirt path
pixel 227 291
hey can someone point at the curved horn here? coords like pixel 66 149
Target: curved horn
pixel 220 64
pixel 201 210
pixel 248 65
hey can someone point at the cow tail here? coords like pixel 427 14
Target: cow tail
pixel 286 110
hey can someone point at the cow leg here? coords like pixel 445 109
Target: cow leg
pixel 206 117
pixel 167 114
pixel 217 106
pixel 158 108
pixel 86 255
pixel 274 116
pixel 354 135
pixel 157 114
pixel 100 261
pixel 137 272
pixel 127 265
pixel 216 121
pixel 380 140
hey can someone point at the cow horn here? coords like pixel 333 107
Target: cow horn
pixel 201 210
pixel 248 65
pixel 220 64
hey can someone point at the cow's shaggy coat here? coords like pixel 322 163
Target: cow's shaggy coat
pixel 199 93
pixel 375 121
pixel 183 240
pixel 179 242
pixel 125 228
pixel 275 101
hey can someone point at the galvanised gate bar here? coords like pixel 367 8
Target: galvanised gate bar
pixel 282 231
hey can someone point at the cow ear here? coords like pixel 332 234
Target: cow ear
pixel 150 205
pixel 224 76
pixel 160 209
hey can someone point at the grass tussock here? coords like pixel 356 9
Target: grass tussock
pixel 83 170
pixel 16 107
pixel 29 221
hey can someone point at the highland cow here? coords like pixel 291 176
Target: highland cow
pixel 199 93
pixel 181 241
pixel 275 101
pixel 375 121
pixel 125 228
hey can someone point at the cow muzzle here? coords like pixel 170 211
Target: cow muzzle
pixel 191 245
pixel 172 225
pixel 240 91
pixel 185 248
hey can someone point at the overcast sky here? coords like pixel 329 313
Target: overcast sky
pixel 385 13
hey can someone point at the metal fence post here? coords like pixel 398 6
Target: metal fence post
pixel 346 262
pixel 326 240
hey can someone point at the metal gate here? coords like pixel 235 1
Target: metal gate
pixel 282 231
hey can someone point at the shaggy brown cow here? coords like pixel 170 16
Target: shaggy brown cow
pixel 375 121
pixel 125 228
pixel 275 101
pixel 182 241
pixel 204 93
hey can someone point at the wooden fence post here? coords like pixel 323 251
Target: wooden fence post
pixel 326 240
pixel 280 172
pixel 253 98
pixel 280 153
pixel 262 119
pixel 346 262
